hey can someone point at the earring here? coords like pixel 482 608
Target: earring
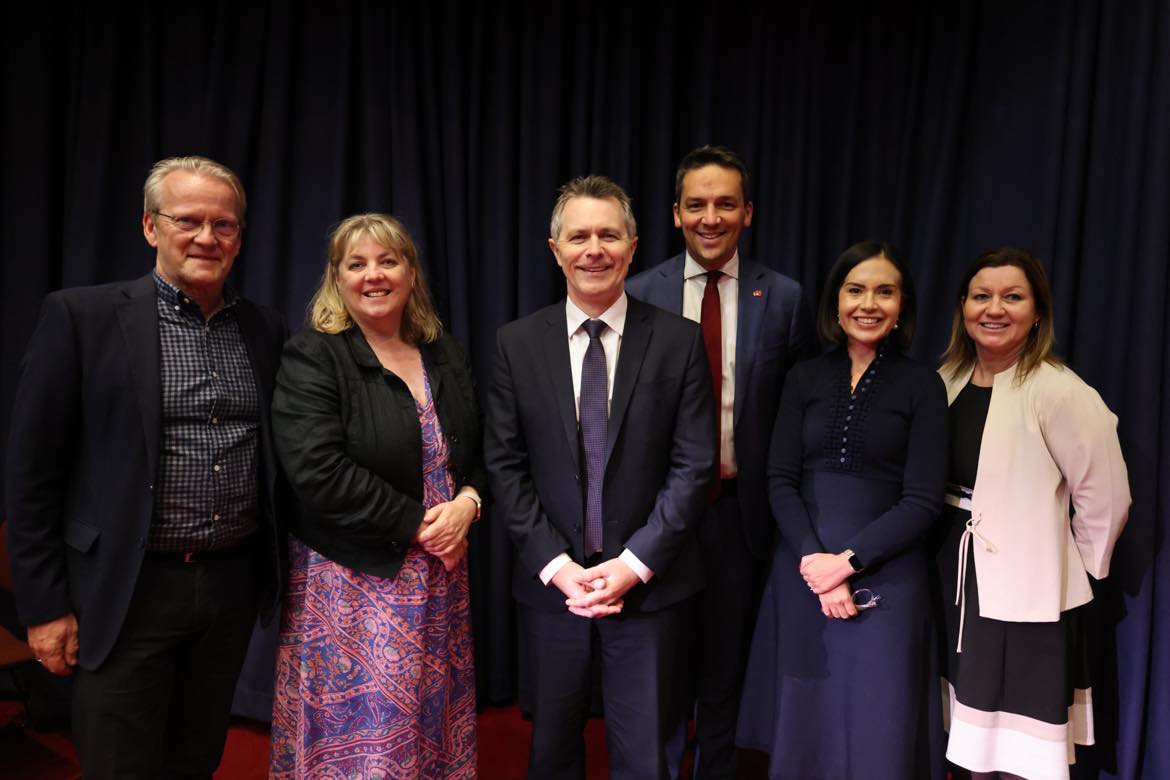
pixel 896 324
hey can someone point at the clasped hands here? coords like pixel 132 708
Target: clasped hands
pixel 443 532
pixel 826 575
pixel 597 591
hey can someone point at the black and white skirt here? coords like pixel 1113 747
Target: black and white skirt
pixel 1017 696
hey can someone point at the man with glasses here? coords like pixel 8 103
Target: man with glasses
pixel 142 486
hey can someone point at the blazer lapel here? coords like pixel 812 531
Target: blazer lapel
pixel 138 317
pixel 671 285
pixel 633 351
pixel 559 375
pixel 753 303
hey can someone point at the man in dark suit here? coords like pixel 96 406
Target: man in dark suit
pixel 142 486
pixel 755 325
pixel 600 443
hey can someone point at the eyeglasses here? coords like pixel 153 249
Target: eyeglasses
pixel 864 598
pixel 224 228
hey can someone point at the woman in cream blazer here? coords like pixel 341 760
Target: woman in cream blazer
pixel 1028 437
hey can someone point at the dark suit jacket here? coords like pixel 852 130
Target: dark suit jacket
pixel 659 452
pixel 83 453
pixel 348 435
pixel 773 331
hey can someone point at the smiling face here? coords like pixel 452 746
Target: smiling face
pixel 711 213
pixel 869 301
pixel 197 263
pixel 594 250
pixel 375 283
pixel 999 311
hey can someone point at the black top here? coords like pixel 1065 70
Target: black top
pixel 966 418
pixel 348 435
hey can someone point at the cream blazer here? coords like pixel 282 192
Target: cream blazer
pixel 1046 441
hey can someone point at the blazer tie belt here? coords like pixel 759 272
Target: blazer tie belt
pixel 958 496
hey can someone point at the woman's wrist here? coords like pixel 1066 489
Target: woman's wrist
pixel 474 498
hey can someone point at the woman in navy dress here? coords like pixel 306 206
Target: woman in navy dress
pixel 843 677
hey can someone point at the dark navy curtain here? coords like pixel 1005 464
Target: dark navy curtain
pixel 947 128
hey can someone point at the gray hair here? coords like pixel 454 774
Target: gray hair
pixel 592 186
pixel 203 166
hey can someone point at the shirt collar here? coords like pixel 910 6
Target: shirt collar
pixel 168 293
pixel 691 267
pixel 614 316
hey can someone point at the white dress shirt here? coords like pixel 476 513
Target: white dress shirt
pixel 695 282
pixel 611 341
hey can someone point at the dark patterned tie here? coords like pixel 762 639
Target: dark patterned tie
pixel 594 419
pixel 712 322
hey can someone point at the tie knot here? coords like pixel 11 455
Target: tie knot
pixel 593 327
pixel 713 276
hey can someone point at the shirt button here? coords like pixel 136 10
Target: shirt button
pixel 844 438
pixel 842 450
pixel 842 460
pixel 215 468
pixel 215 517
pixel 215 421
pixel 215 374
pixel 178 307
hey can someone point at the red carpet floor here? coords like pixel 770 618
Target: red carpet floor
pixel 26 754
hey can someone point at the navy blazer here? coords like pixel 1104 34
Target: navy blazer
pixel 773 332
pixel 83 454
pixel 659 452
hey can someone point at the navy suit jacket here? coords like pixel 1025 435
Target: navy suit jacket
pixel 659 453
pixel 773 332
pixel 83 453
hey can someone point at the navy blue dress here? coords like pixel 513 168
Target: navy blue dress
pixel 859 469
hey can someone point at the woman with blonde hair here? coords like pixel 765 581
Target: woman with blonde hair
pixel 1027 436
pixel 377 426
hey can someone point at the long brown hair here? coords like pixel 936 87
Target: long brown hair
pixel 960 355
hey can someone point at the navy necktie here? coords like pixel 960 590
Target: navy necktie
pixel 593 414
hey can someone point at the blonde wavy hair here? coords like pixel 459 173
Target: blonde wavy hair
pixel 327 312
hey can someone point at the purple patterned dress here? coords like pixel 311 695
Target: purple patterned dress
pixel 374 676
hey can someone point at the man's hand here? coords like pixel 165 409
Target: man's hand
pixel 579 588
pixel 444 526
pixel 824 571
pixel 55 644
pixel 604 584
pixel 838 602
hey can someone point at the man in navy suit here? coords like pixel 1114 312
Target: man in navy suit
pixel 142 486
pixel 600 443
pixel 756 325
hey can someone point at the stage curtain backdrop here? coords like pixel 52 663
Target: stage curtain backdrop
pixel 947 128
